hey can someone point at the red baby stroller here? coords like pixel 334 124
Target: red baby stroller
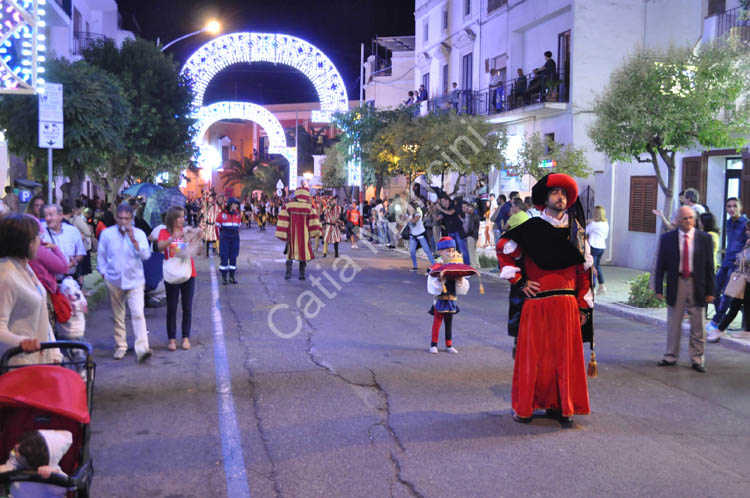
pixel 48 397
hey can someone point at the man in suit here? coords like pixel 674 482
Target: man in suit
pixel 686 257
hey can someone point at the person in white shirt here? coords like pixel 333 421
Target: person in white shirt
pixel 597 231
pixel 122 248
pixel 65 236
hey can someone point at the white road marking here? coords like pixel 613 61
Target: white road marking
pixel 231 443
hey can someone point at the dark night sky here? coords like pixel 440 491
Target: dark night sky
pixel 337 27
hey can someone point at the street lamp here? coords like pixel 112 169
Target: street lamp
pixel 213 26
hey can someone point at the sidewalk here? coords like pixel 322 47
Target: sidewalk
pixel 614 301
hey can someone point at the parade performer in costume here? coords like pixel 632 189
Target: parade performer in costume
pixel 229 222
pixel 548 256
pixel 297 225
pixel 446 290
pixel 209 213
pixel 332 235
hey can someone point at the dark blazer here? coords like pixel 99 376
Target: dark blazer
pixel 668 263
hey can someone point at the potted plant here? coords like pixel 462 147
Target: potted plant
pixel 552 86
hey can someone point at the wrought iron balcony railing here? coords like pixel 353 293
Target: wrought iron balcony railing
pixel 82 41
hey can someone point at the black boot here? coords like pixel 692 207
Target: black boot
pixel 224 277
pixel 231 277
pixel 336 249
pixel 288 273
pixel 208 249
pixel 302 265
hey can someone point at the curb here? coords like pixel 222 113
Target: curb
pixel 623 312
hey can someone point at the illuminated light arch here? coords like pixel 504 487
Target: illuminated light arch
pixel 22 46
pixel 248 112
pixel 236 48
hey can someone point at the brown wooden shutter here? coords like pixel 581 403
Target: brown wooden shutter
pixel 694 175
pixel 745 180
pixel 643 195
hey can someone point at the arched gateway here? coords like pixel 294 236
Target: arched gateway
pixel 236 48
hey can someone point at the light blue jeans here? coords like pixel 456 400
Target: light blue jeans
pixel 425 247
pixel 384 233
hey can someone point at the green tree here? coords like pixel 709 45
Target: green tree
pixel 160 138
pixel 96 114
pixel 569 159
pixel 255 175
pixel 660 103
pixel 361 131
pixel 463 145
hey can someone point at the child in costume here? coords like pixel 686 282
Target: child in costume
pixel 444 306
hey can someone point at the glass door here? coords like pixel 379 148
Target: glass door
pixel 731 189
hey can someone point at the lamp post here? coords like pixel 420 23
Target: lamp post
pixel 213 27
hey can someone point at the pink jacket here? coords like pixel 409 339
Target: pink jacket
pixel 47 264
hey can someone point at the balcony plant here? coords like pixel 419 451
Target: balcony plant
pixel 552 86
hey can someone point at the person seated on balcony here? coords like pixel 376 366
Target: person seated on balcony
pixel 410 100
pixel 519 89
pixel 543 74
pixel 423 97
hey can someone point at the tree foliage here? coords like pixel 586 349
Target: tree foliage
pixel 569 159
pixel 96 115
pixel 160 138
pixel 660 103
pixel 255 175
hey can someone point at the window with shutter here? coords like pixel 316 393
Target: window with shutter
pixel 694 174
pixel 643 195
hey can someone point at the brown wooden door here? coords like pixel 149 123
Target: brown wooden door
pixel 694 173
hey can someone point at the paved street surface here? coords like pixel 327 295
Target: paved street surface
pixel 354 406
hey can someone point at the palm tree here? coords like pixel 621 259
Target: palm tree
pixel 255 175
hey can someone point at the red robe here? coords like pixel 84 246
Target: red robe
pixel 549 371
pixel 298 223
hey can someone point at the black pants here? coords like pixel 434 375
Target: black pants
pixel 187 289
pixel 734 308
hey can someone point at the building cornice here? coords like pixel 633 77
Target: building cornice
pixel 426 7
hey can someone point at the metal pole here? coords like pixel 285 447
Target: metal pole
pixel 361 100
pixel 361 73
pixel 296 142
pixel 49 176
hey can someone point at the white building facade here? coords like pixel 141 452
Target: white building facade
pixel 71 26
pixel 463 41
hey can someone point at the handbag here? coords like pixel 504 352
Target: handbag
pixel 737 280
pixel 406 233
pixel 61 305
pixel 177 270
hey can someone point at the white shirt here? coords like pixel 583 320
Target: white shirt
pixel 417 229
pixel 118 261
pixel 691 244
pixel 69 240
pixel 598 231
pixel 154 235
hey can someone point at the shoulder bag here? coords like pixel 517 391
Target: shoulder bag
pixel 737 280
pixel 177 270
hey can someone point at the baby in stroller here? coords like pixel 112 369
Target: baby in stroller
pixel 41 451
pixel 75 327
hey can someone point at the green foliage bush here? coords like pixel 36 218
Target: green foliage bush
pixel 641 296
pixel 486 261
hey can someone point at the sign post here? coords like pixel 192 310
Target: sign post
pixel 51 126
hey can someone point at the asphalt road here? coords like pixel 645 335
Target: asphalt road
pixel 352 404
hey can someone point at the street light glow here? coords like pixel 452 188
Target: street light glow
pixel 213 26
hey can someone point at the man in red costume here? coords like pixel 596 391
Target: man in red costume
pixel 298 223
pixel 549 258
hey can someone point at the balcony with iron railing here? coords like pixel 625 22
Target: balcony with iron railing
pixel 734 24
pixel 83 40
pixel 510 95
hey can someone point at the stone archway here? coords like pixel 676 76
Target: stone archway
pixel 234 48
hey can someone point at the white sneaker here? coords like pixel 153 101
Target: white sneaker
pixel 711 326
pixel 452 350
pixel 433 349
pixel 119 354
pixel 602 290
pixel 714 335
